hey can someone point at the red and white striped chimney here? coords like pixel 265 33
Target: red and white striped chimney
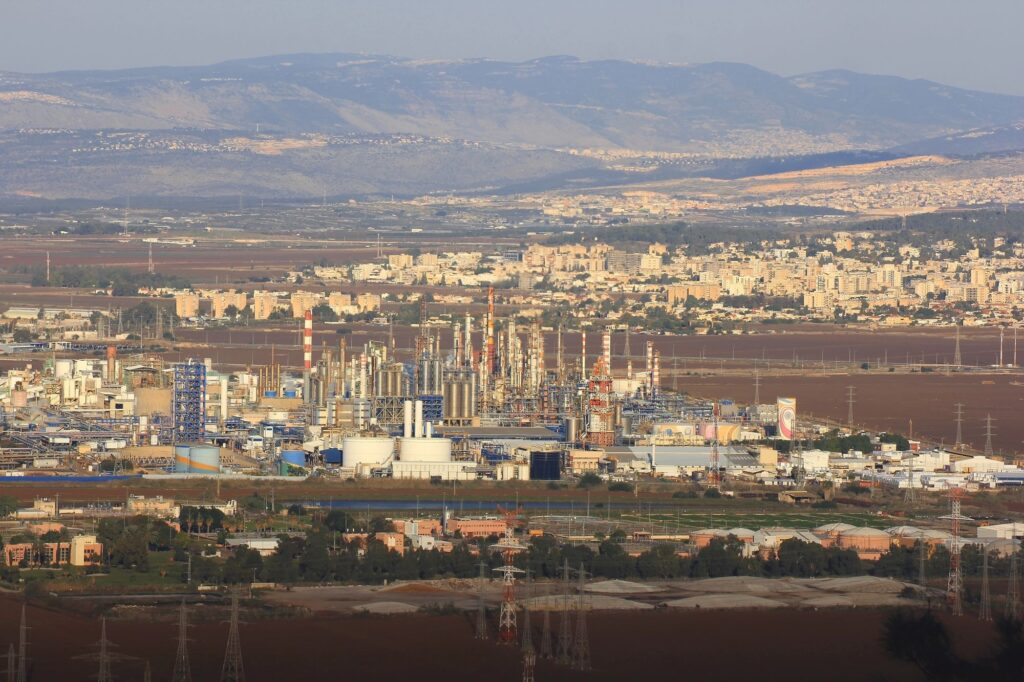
pixel 307 342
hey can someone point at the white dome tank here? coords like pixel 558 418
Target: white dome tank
pixel 374 451
pixel 426 450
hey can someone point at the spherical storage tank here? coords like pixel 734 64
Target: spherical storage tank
pixel 356 451
pixel 426 450
pixel 204 459
pixel 296 458
pixel 182 459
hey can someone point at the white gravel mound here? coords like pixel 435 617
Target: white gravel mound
pixel 622 587
pixel 385 607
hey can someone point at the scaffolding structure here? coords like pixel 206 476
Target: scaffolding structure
pixel 188 402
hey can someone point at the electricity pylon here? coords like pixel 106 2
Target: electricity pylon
pixel 182 667
pixel 233 670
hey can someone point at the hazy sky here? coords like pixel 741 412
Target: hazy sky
pixel 970 43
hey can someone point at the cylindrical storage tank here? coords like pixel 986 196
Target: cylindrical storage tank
pixel 545 466
pixel 182 459
pixel 446 395
pixel 270 394
pixel 627 424
pixel 464 396
pixel 357 451
pixel 425 450
pixel 204 459
pixel 572 429
pixel 291 393
pixel 297 458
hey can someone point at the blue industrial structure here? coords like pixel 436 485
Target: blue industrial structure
pixel 188 403
pixel 433 408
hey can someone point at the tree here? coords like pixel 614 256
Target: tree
pixel 324 313
pixel 379 524
pixel 589 480
pixel 8 505
pixel 131 549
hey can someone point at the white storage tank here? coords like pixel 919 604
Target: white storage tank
pixel 426 450
pixel 63 369
pixel 366 451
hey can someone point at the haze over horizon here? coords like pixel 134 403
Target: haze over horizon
pixel 944 41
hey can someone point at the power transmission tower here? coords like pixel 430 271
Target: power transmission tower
pixel 959 425
pixel 989 432
pixel 12 663
pixel 22 649
pixel 509 546
pixel 564 656
pixel 147 675
pixel 529 654
pixel 851 398
pixel 757 387
pixel 546 650
pixel 956 352
pixel 233 670
pixel 1013 589
pixel 481 608
pixel 182 667
pixel 955 584
pixel 581 646
pixel 985 612
pixel 104 674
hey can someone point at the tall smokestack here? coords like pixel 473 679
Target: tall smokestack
pixel 307 356
pixel 418 427
pixel 490 331
pixel 656 374
pixel 407 422
pixel 111 364
pixel 606 351
pixel 583 356
pixel 650 365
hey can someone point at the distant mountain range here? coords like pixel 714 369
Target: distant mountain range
pixel 555 104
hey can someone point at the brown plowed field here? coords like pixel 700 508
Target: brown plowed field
pixel 890 401
pixel 711 645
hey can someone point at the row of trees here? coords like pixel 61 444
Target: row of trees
pixel 120 281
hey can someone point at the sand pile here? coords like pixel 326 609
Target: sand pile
pixel 385 607
pixel 591 603
pixel 861 584
pixel 726 601
pixel 622 587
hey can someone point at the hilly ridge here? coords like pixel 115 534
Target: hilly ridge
pixel 553 102
pixel 355 125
